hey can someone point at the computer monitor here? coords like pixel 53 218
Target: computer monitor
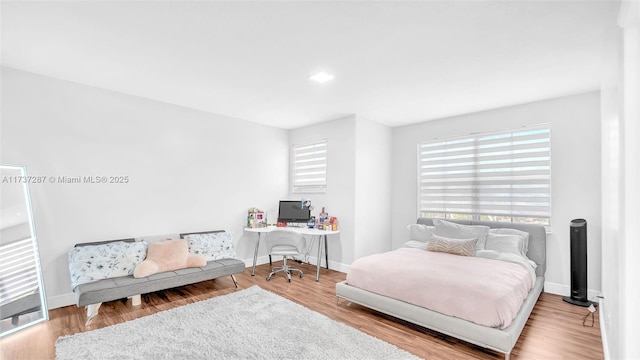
pixel 293 211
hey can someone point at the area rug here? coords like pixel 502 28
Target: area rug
pixel 247 324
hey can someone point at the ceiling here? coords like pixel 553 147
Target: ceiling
pixel 395 63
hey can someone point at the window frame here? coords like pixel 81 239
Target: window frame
pixel 319 186
pixel 477 185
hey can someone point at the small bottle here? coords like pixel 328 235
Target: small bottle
pixel 323 215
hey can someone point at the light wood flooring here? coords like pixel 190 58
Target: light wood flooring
pixel 554 330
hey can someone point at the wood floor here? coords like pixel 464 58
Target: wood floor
pixel 554 331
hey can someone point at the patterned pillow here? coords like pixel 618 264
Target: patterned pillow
pixel 464 247
pixel 109 260
pixel 212 246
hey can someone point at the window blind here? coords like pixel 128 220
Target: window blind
pixel 309 167
pixel 498 176
pixel 18 272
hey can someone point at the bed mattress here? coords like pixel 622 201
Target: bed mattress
pixel 485 291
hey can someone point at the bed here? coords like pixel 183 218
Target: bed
pixel 501 339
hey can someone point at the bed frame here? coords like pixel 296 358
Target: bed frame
pixel 502 340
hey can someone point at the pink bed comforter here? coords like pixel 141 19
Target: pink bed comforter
pixel 485 291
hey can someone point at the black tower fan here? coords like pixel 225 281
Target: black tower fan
pixel 578 230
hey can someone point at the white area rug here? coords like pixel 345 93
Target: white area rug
pixel 248 324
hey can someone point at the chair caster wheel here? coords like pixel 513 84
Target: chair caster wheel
pixel 289 280
pixel 268 278
pixel 300 275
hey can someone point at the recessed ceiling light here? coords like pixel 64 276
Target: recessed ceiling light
pixel 321 77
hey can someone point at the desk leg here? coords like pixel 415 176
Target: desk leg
pixel 322 242
pixel 326 253
pixel 319 258
pixel 255 256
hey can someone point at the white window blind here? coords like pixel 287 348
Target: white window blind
pixel 498 176
pixel 309 167
pixel 18 272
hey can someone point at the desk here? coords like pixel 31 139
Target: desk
pixel 322 243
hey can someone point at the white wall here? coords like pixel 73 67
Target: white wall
pixel 575 157
pixel 372 184
pixel 358 180
pixel 619 314
pixel 339 200
pixel 188 170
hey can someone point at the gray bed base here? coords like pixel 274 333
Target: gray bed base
pixel 93 294
pixel 501 340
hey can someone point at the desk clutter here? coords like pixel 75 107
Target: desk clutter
pixel 324 222
pixel 256 218
pixel 293 214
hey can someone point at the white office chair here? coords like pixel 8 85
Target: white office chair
pixel 285 243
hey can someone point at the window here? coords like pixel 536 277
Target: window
pixel 498 176
pixel 309 167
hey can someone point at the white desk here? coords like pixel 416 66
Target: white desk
pixel 322 243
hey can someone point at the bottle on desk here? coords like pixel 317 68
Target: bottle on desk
pixel 333 221
pixel 322 219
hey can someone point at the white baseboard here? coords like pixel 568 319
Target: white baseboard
pixel 603 329
pixel 58 301
pixel 565 290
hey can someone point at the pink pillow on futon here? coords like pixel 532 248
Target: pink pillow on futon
pixel 168 255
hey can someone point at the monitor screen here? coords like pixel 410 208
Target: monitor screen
pixel 293 211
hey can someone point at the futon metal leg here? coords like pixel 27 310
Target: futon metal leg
pixel 92 311
pixel 235 282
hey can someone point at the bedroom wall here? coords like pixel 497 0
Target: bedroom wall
pixel 575 157
pixel 358 179
pixel 619 314
pixel 188 170
pixel 372 184
pixel 339 199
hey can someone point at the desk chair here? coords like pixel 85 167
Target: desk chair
pixel 285 243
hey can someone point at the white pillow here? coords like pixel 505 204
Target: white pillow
pixel 420 232
pixel 505 243
pixel 415 244
pixel 523 234
pixel 459 231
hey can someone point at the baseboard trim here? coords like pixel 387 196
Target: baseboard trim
pixel 565 290
pixel 58 301
pixel 603 329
